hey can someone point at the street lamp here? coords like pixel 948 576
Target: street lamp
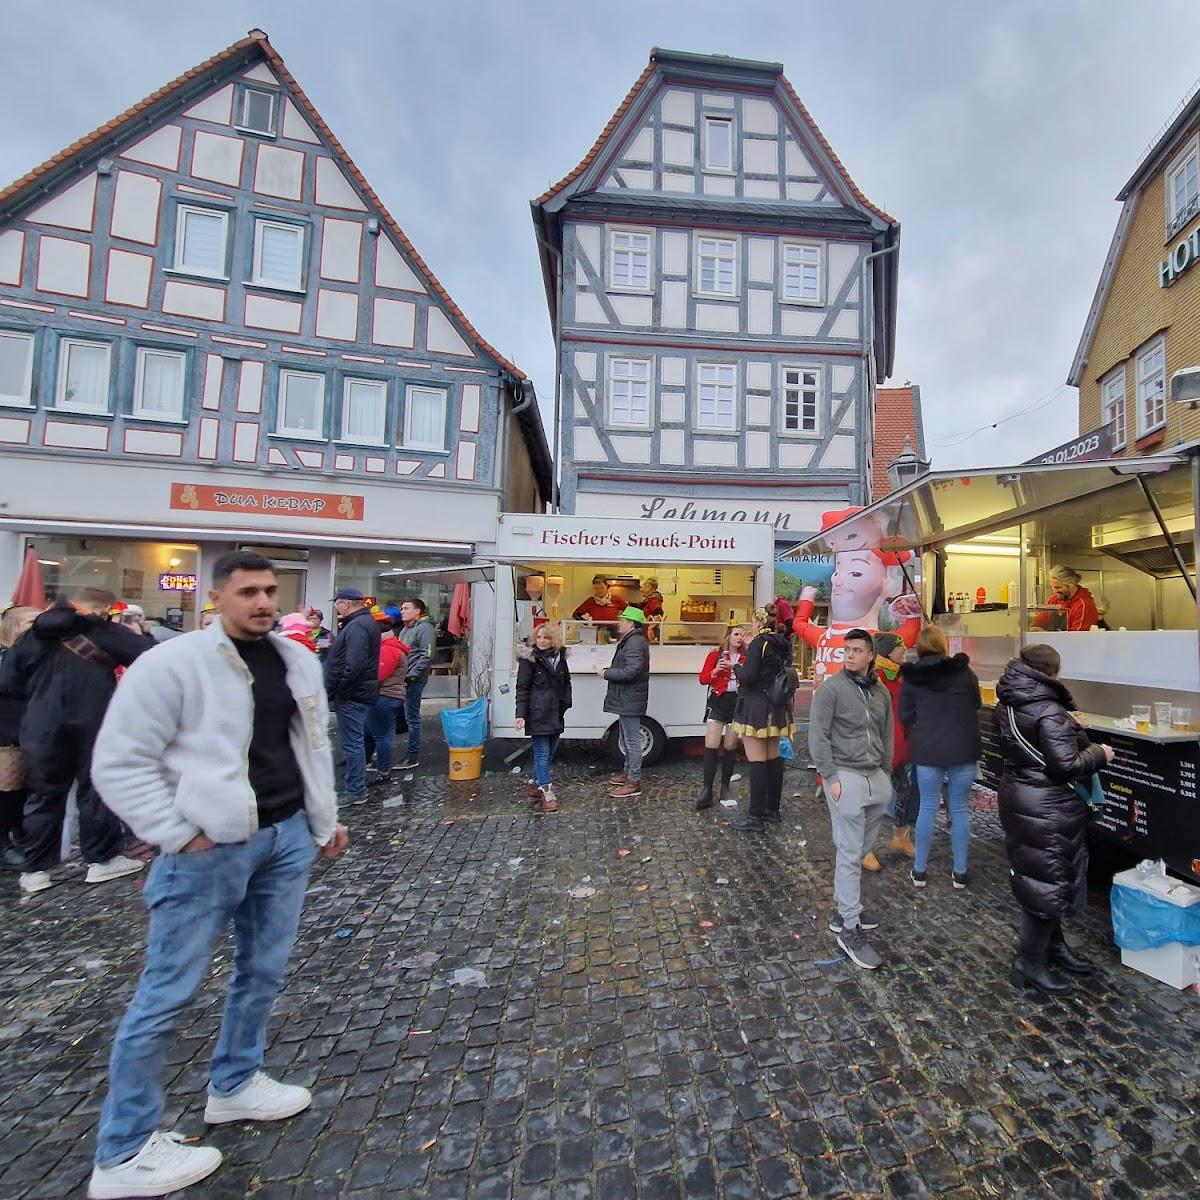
pixel 906 466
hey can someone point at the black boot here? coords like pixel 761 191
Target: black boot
pixel 705 799
pixel 727 765
pixel 752 822
pixel 1061 955
pixel 774 790
pixel 1038 975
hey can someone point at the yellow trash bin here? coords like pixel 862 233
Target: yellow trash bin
pixel 466 763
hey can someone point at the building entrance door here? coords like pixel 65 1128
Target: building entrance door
pixel 292 587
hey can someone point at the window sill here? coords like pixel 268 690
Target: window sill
pixel 802 303
pixel 616 427
pixel 616 289
pixel 726 296
pixel 262 133
pixel 181 273
pixel 812 434
pixel 156 420
pixel 439 450
pixel 274 287
pixel 354 445
pixel 1154 438
pixel 297 437
pixel 701 432
pixel 79 412
pixel 25 405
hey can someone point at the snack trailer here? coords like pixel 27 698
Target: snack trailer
pixel 987 542
pixel 702 576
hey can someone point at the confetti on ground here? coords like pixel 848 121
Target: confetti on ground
pixel 581 893
pixel 722 879
pixel 426 958
pixel 829 962
pixel 729 803
pixel 469 977
pixel 343 933
pixel 623 853
pixel 707 925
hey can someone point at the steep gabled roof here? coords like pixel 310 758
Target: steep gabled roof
pixel 897 420
pixel 134 120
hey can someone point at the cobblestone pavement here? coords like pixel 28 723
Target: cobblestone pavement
pixel 491 1004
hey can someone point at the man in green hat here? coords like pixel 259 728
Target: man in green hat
pixel 628 694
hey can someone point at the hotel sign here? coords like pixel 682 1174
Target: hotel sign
pixel 1179 260
pixel 266 502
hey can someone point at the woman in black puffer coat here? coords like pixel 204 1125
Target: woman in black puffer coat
pixel 1045 820
pixel 543 697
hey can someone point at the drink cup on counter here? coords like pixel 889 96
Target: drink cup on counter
pixel 987 693
pixel 1141 717
pixel 1162 715
pixel 1181 719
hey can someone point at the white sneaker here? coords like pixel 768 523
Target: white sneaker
pixel 113 869
pixel 262 1099
pixel 164 1164
pixel 35 881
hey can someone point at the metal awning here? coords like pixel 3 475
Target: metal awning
pixel 954 506
pixel 468 573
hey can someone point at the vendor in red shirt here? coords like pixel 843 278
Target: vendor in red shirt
pixel 599 606
pixel 1075 601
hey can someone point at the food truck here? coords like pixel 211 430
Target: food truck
pixel 987 540
pixel 706 575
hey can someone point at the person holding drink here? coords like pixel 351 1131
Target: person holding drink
pixel 718 673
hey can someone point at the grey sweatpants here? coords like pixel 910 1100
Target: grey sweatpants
pixel 855 818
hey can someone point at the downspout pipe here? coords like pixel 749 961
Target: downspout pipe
pixel 868 311
pixel 511 384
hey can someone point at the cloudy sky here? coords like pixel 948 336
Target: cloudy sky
pixel 998 134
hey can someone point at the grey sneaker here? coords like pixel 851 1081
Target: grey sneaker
pixel 859 950
pixel 865 919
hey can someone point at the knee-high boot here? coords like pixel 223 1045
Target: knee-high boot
pixel 727 765
pixel 752 822
pixel 774 790
pixel 705 799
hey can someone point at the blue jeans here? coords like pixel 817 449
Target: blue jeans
pixel 412 712
pixel 929 782
pixel 351 719
pixel 381 731
pixel 544 746
pixel 259 885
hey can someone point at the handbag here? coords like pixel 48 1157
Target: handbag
pixel 783 687
pixel 908 796
pixel 12 769
pixel 1091 792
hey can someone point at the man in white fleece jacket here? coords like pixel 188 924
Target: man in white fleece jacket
pixel 215 749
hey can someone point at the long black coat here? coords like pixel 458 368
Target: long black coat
pixel 543 691
pixel 352 664
pixel 939 709
pixel 1045 821
pixel 629 676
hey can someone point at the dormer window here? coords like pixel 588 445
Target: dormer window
pixel 1183 188
pixel 257 110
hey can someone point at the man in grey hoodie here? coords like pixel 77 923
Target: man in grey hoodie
pixel 418 634
pixel 850 739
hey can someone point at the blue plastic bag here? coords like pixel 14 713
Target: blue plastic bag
pixel 786 749
pixel 1144 922
pixel 465 728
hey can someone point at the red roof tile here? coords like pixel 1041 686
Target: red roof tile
pixel 896 418
pixel 272 56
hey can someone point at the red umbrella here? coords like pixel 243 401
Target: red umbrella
pixel 31 588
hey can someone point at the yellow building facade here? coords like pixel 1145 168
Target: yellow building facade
pixel 1144 323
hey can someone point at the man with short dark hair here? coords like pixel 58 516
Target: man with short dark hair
pixel 65 668
pixel 216 750
pixel 418 634
pixel 627 696
pixel 850 738
pixel 352 682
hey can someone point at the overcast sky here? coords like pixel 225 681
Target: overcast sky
pixel 997 133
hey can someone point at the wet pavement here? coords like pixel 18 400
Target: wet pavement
pixel 489 1003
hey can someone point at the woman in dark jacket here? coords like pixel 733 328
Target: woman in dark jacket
pixel 760 721
pixel 543 697
pixel 1045 820
pixel 939 708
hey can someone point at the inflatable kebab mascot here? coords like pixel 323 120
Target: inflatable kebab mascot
pixel 864 578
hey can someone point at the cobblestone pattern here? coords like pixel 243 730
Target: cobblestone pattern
pixel 617 1046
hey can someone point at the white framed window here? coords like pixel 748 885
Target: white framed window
pixel 1151 387
pixel 158 384
pixel 1112 405
pixel 84 370
pixel 718 144
pixel 716 397
pixel 801 401
pixel 629 393
pixel 802 273
pixel 201 235
pixel 716 266
pixel 278 255
pixel 424 418
pixel 257 108
pixel 1183 188
pixel 16 369
pixel 630 260
pixel 301 408
pixel 364 411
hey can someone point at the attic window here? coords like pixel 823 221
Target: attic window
pixel 718 144
pixel 256 110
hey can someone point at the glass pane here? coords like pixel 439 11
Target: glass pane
pixel 202 242
pixel 86 376
pixel 720 143
pixel 162 375
pixel 301 410
pixel 364 411
pixel 258 111
pixel 425 422
pixel 15 351
pixel 279 254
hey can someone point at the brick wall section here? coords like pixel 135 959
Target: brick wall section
pixel 1136 309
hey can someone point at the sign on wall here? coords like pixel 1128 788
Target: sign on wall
pixel 787 516
pixel 198 497
pixel 1179 260
pixel 1097 444
pixel 173 581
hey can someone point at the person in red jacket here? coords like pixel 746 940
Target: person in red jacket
pixel 718 673
pixel 379 729
pixel 1074 599
pixel 889 656
pixel 296 627
pixel 600 605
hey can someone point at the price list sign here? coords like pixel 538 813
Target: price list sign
pixel 991 761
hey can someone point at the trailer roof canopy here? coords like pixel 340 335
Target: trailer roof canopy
pixel 952 506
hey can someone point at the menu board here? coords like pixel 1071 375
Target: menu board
pixel 991 761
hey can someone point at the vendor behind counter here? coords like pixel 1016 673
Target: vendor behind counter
pixel 600 605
